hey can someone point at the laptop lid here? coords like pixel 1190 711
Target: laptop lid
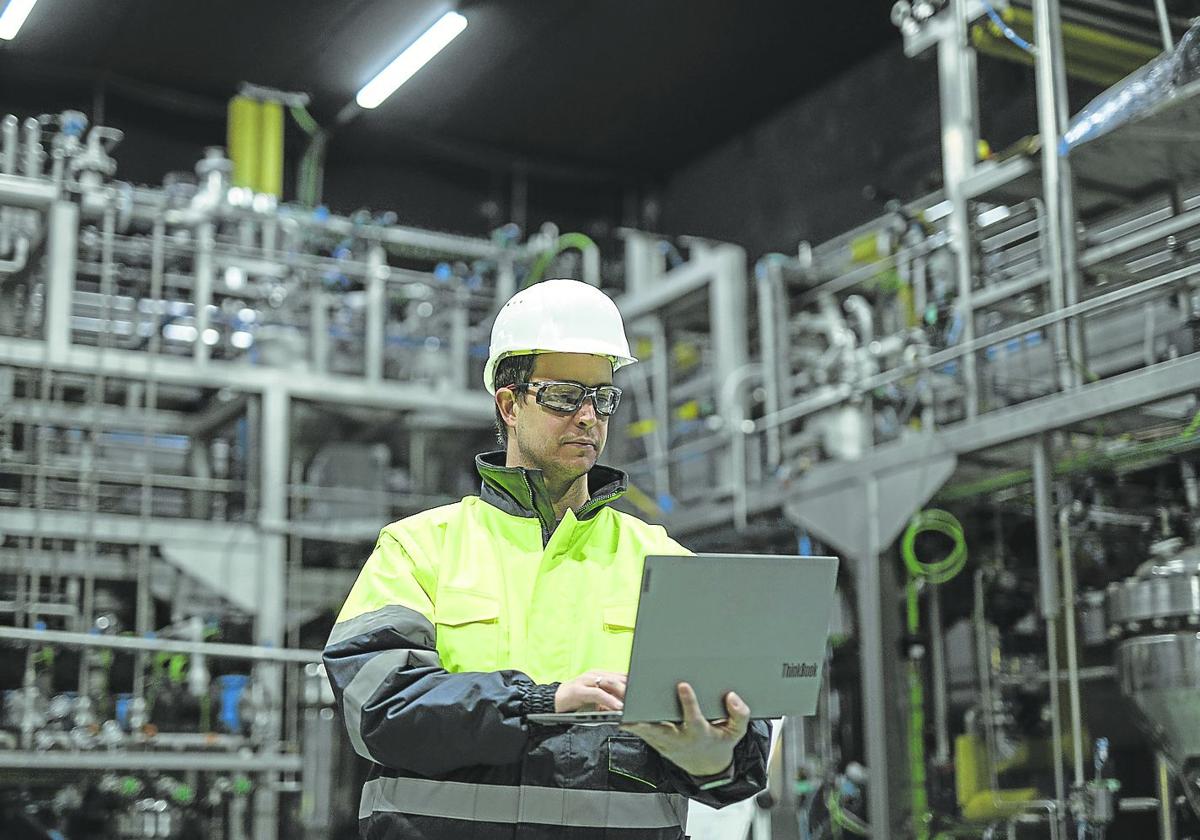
pixel 754 624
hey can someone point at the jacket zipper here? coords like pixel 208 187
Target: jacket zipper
pixel 536 515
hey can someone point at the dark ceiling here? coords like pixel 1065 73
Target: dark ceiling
pixel 572 89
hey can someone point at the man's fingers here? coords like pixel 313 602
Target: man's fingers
pixel 691 706
pixel 612 684
pixel 739 714
pixel 604 700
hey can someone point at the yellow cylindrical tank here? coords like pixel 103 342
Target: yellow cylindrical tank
pixel 243 131
pixel 270 150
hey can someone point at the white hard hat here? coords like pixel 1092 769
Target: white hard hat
pixel 557 316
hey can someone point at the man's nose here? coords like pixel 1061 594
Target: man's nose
pixel 586 414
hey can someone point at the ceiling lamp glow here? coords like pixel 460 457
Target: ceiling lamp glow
pixel 405 66
pixel 13 16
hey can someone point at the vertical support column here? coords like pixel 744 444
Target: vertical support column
pixel 1051 607
pixel 274 440
pixel 460 339
pixel 772 305
pixel 204 275
pixel 956 83
pixel 871 662
pixel 318 326
pixel 506 281
pixel 270 622
pixel 1164 24
pixel 376 314
pixel 1061 243
pixel 727 315
pixel 642 264
pixel 1068 600
pixel 62 249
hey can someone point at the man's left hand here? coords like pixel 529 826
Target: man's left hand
pixel 695 745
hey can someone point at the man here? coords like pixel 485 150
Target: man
pixel 469 617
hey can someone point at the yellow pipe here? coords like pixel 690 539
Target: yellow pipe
pixel 245 120
pixel 1083 62
pixel 1021 20
pixel 270 160
pixel 977 801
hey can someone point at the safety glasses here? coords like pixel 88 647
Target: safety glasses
pixel 567 397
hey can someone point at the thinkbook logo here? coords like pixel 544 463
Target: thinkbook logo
pixel 791 670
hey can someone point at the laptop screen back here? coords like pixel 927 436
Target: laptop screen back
pixel 754 624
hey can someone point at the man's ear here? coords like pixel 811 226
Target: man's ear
pixel 506 403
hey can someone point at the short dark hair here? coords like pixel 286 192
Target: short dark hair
pixel 509 371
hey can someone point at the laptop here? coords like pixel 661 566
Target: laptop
pixel 754 624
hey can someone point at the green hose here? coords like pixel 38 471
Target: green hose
pixel 935 573
pixel 843 819
pixel 312 164
pixel 565 242
pixel 1151 450
pixel 943 523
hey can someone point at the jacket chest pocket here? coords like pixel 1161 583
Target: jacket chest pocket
pixel 469 632
pixel 616 636
pixel 632 766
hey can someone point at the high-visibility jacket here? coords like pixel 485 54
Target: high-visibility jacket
pixel 462 621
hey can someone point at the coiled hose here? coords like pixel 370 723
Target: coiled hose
pixel 935 573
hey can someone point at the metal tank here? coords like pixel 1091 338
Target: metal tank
pixel 1155 614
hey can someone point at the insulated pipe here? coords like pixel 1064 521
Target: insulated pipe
pixel 1068 585
pixel 857 306
pixel 1052 250
pixel 1050 602
pixel 1051 598
pixel 771 311
pixel 376 316
pixel 8 166
pixel 726 309
pixel 19 259
pixel 735 421
pixel 318 327
pixel 460 339
pixel 591 264
pixel 956 83
pixel 8 144
pixel 62 248
pixel 1061 244
pixel 17 191
pixel 204 276
pixel 31 159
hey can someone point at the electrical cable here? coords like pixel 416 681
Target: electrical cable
pixel 935 573
pixel 843 818
pixel 942 570
pixel 1006 30
pixel 312 164
pixel 565 242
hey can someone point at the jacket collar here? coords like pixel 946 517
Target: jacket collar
pixel 522 492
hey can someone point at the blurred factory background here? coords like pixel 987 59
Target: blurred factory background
pixel 914 284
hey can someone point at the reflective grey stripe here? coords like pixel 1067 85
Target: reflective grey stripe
pixel 368 680
pixel 523 804
pixel 407 622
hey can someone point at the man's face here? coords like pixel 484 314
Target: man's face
pixel 563 445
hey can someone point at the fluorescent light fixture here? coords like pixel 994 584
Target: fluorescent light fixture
pixel 405 66
pixel 13 17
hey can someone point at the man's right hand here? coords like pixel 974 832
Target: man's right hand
pixel 594 691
